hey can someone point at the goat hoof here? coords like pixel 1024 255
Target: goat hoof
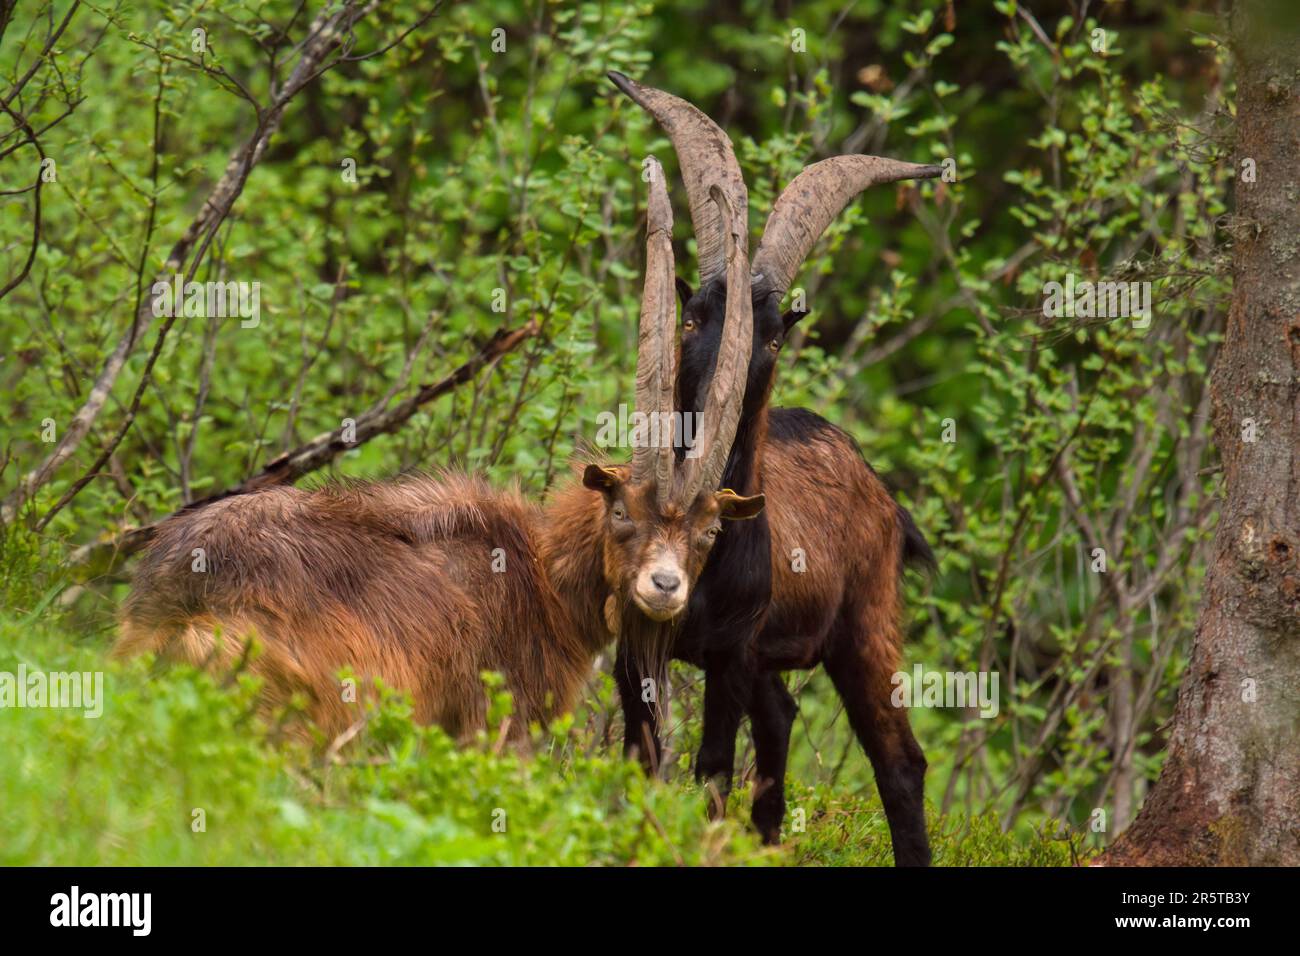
pixel 768 826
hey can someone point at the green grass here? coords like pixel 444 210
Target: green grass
pixel 174 749
pixel 848 830
pixel 125 788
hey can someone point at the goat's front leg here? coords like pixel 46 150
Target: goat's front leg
pixel 728 683
pixel 640 716
pixel 771 715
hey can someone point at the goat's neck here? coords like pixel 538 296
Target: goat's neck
pixel 744 473
pixel 573 536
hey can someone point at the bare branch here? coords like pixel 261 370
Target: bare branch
pixel 330 25
pixel 323 449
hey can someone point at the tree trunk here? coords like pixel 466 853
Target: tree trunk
pixel 1229 792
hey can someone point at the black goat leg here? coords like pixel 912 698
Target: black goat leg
pixel 771 715
pixel 886 735
pixel 640 717
pixel 728 683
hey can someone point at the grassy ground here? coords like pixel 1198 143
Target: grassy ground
pixel 178 771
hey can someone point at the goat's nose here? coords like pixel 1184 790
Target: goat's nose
pixel 666 581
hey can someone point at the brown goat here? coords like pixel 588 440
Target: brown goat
pixel 404 581
pixel 424 583
pixel 427 582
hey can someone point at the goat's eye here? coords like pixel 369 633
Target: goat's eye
pixel 688 325
pixel 712 533
pixel 619 512
pixel 774 345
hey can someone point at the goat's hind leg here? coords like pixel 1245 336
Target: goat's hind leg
pixel 862 675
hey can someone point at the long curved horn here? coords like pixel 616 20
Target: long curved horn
pixel 726 392
pixel 656 355
pixel 811 202
pixel 706 159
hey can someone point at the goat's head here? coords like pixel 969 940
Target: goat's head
pixel 654 553
pixel 661 518
pixel 799 217
pixel 702 317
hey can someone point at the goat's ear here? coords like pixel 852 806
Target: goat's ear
pixel 603 478
pixel 734 507
pixel 791 319
pixel 684 291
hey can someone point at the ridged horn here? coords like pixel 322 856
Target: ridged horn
pixel 656 355
pixel 726 391
pixel 706 159
pixel 811 202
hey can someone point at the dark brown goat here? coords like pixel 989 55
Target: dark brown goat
pixel 753 613
pixel 427 582
pixel 842 611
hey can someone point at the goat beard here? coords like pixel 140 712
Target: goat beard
pixel 648 646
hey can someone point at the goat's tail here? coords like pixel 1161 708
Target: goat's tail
pixel 916 550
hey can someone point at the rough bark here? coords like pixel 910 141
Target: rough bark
pixel 1229 792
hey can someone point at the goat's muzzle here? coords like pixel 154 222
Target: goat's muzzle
pixel 660 590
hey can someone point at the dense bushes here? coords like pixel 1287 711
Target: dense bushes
pixel 494 187
pixel 177 772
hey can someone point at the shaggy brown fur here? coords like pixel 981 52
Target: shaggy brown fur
pixel 396 580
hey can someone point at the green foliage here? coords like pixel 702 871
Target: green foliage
pixel 510 180
pixel 124 788
pixel 852 831
pixel 179 771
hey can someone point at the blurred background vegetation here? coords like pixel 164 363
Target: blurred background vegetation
pixel 1088 138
